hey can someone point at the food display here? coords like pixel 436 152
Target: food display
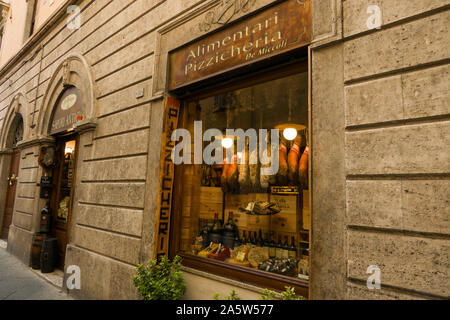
pixel 239 211
pixel 262 229
pixel 257 255
pixel 248 248
pixel 63 208
pixel 286 267
pixel 260 208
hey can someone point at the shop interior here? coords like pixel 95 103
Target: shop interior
pixel 230 214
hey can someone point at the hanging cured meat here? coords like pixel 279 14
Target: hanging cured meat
pixel 303 168
pixel 254 171
pixel 243 168
pixel 266 180
pixel 283 165
pixel 293 161
pixel 233 175
pixel 224 176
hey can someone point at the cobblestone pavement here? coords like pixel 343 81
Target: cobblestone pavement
pixel 18 282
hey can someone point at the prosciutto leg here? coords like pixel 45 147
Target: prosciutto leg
pixel 303 168
pixel 293 161
pixel 283 165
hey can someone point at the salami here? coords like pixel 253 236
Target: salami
pixel 303 168
pixel 265 179
pixel 254 171
pixel 233 176
pixel 293 161
pixel 223 177
pixel 283 165
pixel 244 175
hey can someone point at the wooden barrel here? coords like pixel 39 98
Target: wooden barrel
pixel 49 255
pixel 37 241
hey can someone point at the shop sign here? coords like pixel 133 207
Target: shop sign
pixel 281 28
pixel 68 111
pixel 171 115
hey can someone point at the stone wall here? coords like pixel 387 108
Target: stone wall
pixel 380 131
pixel 381 143
pixel 117 41
pixel 114 205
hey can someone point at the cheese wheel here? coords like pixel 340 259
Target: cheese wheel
pixel 257 255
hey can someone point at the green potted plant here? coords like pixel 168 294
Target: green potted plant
pixel 160 279
pixel 288 294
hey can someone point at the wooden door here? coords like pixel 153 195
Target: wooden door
pixel 61 202
pixel 10 193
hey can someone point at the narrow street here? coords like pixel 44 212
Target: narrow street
pixel 18 282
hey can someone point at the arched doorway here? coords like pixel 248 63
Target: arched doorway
pixel 15 135
pixel 67 117
pixel 67 112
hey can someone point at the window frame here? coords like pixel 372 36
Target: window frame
pixel 221 269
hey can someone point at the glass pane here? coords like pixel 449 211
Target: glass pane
pixel 66 181
pixel 231 211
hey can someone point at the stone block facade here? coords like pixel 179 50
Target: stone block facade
pixel 380 124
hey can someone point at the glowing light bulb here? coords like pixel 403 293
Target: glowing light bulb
pixel 68 150
pixel 227 143
pixel 290 133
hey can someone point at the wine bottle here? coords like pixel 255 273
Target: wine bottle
pixel 229 226
pixel 215 235
pixel 279 249
pixel 260 241
pixel 228 234
pixel 204 232
pixel 235 227
pixel 244 237
pixel 285 252
pixel 292 249
pixel 272 248
pixel 237 241
pixel 266 244
pixel 252 239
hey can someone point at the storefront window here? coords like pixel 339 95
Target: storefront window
pixel 232 213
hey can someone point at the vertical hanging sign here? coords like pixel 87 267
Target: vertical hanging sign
pixel 171 115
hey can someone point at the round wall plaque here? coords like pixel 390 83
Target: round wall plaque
pixel 69 101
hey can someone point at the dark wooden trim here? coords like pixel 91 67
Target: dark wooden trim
pixel 74 185
pixel 175 222
pixel 15 156
pixel 166 180
pixel 310 142
pixel 57 177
